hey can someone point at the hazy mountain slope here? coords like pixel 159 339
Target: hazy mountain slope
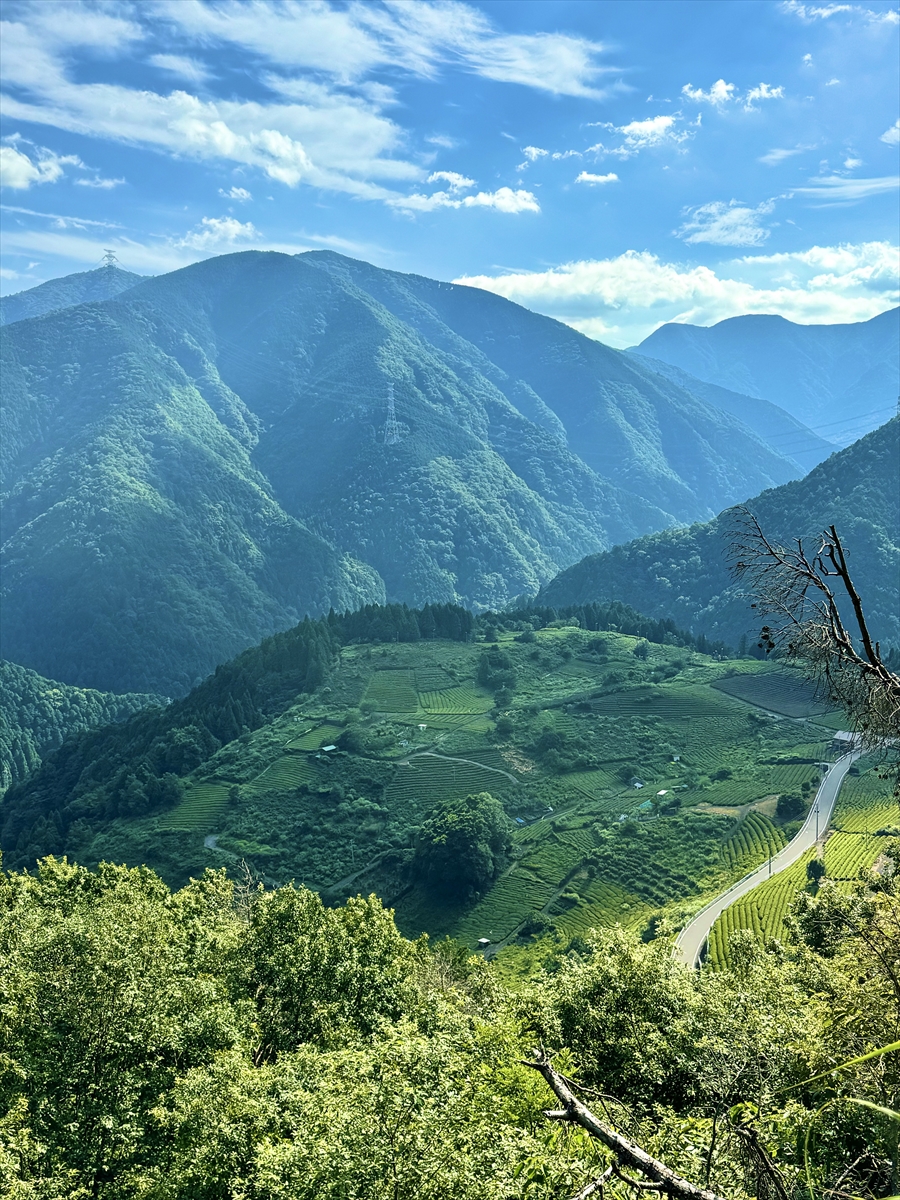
pixel 646 434
pixel 141 546
pixel 38 714
pixel 840 380
pixel 202 460
pixel 776 427
pixel 683 573
pixel 85 286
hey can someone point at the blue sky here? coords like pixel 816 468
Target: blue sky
pixel 616 165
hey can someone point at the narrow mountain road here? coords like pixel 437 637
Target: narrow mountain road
pixel 692 938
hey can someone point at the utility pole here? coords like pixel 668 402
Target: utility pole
pixel 817 820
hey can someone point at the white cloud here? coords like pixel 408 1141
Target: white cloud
pixel 503 200
pixel 892 135
pixel 763 92
pixel 850 164
pixel 215 232
pixel 840 189
pixel 643 135
pixel 731 224
pixel 18 171
pixel 621 300
pixel 587 177
pixel 534 152
pixel 181 65
pixel 236 193
pixel 720 93
pixel 807 60
pixel 832 82
pixel 456 182
pixel 99 182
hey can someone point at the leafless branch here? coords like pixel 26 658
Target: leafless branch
pixel 627 1152
pixel 805 592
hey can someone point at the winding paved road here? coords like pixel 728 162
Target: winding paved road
pixel 692 938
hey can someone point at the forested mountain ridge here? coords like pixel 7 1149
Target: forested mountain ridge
pixel 203 460
pixel 840 380
pixel 684 573
pixel 774 425
pixel 37 715
pixel 81 288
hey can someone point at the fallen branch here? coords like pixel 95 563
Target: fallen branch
pixel 627 1152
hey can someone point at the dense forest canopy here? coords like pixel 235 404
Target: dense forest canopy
pixel 223 1041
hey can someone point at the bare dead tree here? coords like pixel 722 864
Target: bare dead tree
pixel 805 591
pixel 658 1177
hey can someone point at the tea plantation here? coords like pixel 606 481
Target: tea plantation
pixel 638 778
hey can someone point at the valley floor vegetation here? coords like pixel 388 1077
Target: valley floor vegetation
pixel 226 1042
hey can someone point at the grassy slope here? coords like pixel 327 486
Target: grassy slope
pixel 343 822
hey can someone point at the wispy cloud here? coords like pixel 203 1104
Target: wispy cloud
pixel 892 135
pixel 664 130
pixel 181 65
pixel 420 38
pixel 773 157
pixel 587 177
pixel 623 299
pixel 839 189
pixel 731 224
pixel 105 185
pixel 822 12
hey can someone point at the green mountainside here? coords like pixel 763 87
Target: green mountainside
pixel 616 770
pixel 37 715
pixel 85 286
pixel 202 461
pixel 684 573
pixel 840 380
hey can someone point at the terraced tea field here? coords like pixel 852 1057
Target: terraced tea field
pixel 762 911
pixel 313 739
pixel 199 808
pixel 392 692
pixel 426 780
pixel 286 773
pixel 863 807
pixel 754 840
pixel 463 699
pixel 776 692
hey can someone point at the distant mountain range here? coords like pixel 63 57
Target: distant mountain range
pixel 204 459
pixel 684 573
pixel 840 380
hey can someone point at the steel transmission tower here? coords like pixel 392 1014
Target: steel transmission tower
pixel 108 267
pixel 391 428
